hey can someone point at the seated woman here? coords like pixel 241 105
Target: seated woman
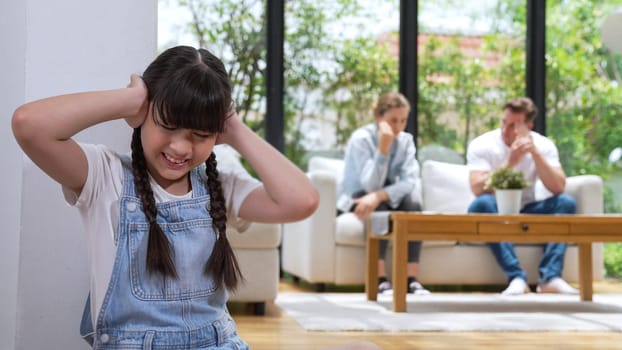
pixel 379 174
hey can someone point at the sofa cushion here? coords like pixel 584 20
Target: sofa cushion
pixel 446 187
pixel 244 234
pixel 257 236
pixel 350 230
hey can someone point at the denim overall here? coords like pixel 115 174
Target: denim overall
pixel 147 311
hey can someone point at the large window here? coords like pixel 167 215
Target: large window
pixel 584 99
pixel 471 59
pixel 339 56
pixel 582 85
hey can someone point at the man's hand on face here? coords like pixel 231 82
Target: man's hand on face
pixel 522 144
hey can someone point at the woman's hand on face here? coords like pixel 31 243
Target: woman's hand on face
pixel 139 100
pixel 385 137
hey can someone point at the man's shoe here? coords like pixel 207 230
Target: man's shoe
pixel 417 289
pixel 556 285
pixel 517 286
pixel 385 287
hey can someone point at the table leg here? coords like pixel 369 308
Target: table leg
pixel 371 264
pixel 400 253
pixel 585 271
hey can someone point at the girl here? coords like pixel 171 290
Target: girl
pixel 161 262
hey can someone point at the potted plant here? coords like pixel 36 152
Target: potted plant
pixel 508 185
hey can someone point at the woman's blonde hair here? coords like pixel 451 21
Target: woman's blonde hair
pixel 390 100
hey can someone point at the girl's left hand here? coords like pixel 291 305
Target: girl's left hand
pixel 231 125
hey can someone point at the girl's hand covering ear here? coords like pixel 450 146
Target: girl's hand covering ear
pixel 231 123
pixel 138 89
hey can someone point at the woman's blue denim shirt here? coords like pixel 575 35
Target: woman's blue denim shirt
pixel 368 170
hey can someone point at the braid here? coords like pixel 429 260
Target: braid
pixel 222 262
pixel 159 257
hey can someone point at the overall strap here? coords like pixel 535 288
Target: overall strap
pixel 198 179
pixel 128 176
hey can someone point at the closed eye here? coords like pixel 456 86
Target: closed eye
pixel 202 135
pixel 167 127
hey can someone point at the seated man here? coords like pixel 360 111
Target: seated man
pixel 516 146
pixel 380 170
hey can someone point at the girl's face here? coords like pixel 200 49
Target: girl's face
pixel 172 152
pixel 396 118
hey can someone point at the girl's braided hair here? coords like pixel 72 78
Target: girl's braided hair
pixel 187 88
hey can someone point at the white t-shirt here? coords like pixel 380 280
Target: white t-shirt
pixel 99 209
pixel 488 152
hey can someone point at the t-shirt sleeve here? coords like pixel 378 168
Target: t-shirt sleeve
pixel 104 172
pixel 477 156
pixel 236 185
pixel 549 151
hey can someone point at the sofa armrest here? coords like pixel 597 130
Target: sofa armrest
pixel 587 190
pixel 308 246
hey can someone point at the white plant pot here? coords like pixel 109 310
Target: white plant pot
pixel 508 201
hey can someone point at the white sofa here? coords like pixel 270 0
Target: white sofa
pixel 257 250
pixel 325 249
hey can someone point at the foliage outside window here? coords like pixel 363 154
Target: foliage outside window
pixel 467 71
pixel 584 98
pixel 331 76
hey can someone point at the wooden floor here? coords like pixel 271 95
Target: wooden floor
pixel 276 331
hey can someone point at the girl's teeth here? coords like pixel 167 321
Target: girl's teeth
pixel 173 160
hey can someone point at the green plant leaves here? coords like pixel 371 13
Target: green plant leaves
pixel 505 178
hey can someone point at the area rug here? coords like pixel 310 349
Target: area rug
pixel 453 312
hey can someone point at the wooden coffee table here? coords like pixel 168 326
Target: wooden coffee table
pixel 526 228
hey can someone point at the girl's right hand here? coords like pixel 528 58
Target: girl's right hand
pixel 139 89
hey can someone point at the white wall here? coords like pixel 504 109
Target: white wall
pixel 12 61
pixel 48 48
